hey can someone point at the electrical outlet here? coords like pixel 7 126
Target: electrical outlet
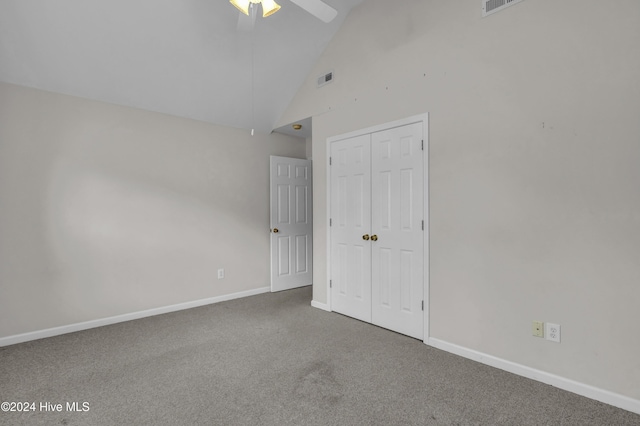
pixel 220 274
pixel 538 329
pixel 552 331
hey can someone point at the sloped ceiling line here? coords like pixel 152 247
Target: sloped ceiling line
pixel 182 58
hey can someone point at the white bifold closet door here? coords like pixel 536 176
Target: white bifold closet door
pixel 377 225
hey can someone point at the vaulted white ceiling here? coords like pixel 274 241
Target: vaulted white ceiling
pixel 179 57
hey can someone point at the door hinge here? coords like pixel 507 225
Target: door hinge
pixel 423 144
pixel 331 285
pixel 423 305
pixel 329 160
pixel 330 222
pixel 423 225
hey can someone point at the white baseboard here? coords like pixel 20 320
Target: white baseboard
pixel 602 395
pixel 56 331
pixel 323 306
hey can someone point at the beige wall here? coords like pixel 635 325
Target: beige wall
pixel 534 168
pixel 107 210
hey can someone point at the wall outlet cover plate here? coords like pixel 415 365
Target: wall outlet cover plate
pixel 538 328
pixel 552 332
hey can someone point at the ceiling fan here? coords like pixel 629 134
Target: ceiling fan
pixel 248 9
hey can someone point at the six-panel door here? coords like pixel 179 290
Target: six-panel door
pixel 397 221
pixel 350 223
pixel 291 223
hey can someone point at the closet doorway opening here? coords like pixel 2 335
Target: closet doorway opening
pixel 378 225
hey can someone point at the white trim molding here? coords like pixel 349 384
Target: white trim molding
pixel 56 331
pixel 592 392
pixel 319 305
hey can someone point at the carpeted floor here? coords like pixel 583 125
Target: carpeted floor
pixel 272 359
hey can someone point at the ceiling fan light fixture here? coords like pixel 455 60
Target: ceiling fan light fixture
pixel 269 7
pixel 242 5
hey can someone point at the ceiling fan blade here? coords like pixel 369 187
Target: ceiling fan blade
pixel 318 8
pixel 247 22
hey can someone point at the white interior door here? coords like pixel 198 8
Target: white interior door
pixel 398 229
pixel 350 222
pixel 291 223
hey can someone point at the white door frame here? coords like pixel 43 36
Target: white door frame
pixel 421 118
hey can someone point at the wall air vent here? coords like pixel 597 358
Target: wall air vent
pixel 325 79
pixel 493 6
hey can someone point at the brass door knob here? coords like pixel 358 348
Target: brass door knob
pixel 374 238
pixel 275 230
pixel 365 237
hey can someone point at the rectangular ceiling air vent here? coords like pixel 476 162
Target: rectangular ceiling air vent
pixel 493 6
pixel 325 79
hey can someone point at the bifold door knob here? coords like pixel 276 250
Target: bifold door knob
pixel 276 230
pixel 365 237
pixel 374 238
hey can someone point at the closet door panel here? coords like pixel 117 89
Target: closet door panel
pixel 397 213
pixel 351 220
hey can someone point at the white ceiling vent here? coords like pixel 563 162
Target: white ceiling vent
pixel 493 6
pixel 325 79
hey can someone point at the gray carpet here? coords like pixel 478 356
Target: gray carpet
pixel 272 359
